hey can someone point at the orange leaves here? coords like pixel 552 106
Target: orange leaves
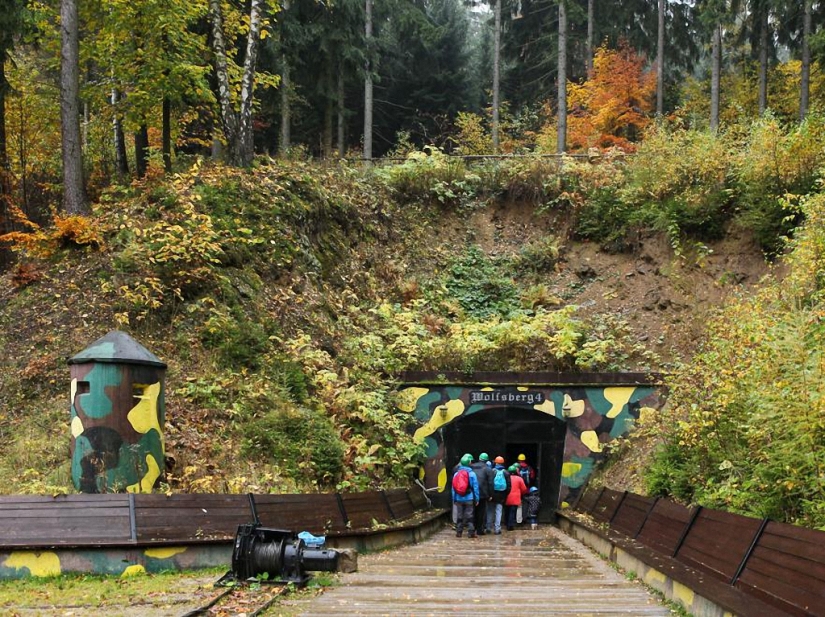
pixel 67 232
pixel 612 107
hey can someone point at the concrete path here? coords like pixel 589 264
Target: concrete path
pixel 521 573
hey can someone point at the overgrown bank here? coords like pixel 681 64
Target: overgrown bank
pixel 288 298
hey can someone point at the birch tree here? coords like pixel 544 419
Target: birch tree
pixel 236 108
pixel 805 77
pixel 368 82
pixel 660 59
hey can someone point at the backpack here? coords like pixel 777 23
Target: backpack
pixel 524 472
pixel 461 482
pixel 499 482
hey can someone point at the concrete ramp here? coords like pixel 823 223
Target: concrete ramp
pixel 521 573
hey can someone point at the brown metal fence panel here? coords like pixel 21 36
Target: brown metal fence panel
pixel 315 512
pixel 588 499
pixel 118 519
pixel 609 500
pixel 664 526
pixel 717 543
pixel 418 498
pixel 64 520
pixel 787 569
pixel 193 516
pixel 631 514
pixel 364 508
pixel 400 504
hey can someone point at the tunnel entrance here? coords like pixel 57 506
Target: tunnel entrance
pixel 508 432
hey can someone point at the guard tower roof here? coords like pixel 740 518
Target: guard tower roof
pixel 117 347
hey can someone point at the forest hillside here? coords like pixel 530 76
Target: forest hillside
pixel 287 299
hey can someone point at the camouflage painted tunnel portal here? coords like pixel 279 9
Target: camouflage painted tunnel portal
pixel 560 421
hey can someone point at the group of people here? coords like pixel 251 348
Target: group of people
pixel 485 492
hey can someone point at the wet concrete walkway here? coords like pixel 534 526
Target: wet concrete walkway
pixel 522 573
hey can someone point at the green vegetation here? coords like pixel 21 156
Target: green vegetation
pixel 746 421
pixel 289 298
pixel 153 592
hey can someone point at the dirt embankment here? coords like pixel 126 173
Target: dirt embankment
pixel 663 296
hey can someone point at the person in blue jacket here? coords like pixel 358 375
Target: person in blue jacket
pixel 465 503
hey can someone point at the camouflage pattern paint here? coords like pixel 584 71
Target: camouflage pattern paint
pixel 117 415
pixel 595 416
pixel 127 561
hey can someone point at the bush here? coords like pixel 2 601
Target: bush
pixel 238 341
pixel 479 287
pixel 773 164
pixel 680 181
pixel 301 442
pixel 431 177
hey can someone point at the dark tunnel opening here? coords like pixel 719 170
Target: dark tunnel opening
pixel 508 432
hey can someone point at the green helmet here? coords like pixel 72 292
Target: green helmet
pixel 467 459
pixel 513 469
pixel 484 457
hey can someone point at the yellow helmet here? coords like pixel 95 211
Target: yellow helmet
pixel 521 457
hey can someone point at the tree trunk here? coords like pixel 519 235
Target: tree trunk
pixel 342 147
pixel 166 135
pixel 75 200
pixel 329 110
pixel 141 151
pixel 805 77
pixel 561 129
pixel 121 161
pixel 286 121
pixel 763 61
pixel 368 83
pixel 5 188
pixel 4 157
pixel 496 76
pixel 715 76
pixel 660 61
pixel 588 62
pixel 237 124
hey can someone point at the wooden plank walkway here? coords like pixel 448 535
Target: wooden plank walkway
pixel 522 573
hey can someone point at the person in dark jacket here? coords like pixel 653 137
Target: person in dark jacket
pixel 467 502
pixel 531 504
pixel 499 496
pixel 485 491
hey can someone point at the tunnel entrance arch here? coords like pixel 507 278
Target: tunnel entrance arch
pixel 541 413
pixel 508 432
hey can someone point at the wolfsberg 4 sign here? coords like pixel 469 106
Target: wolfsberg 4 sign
pixel 506 397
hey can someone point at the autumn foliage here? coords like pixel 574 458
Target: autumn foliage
pixel 611 108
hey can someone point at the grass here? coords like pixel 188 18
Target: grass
pixel 152 592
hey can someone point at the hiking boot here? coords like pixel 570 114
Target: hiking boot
pixel 472 534
pixel 498 533
pixel 457 534
pixel 510 528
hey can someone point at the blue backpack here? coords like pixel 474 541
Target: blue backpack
pixel 499 482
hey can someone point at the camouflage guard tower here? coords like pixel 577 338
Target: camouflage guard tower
pixel 117 416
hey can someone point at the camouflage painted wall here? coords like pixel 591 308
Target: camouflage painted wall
pixel 117 418
pixel 594 417
pixel 114 561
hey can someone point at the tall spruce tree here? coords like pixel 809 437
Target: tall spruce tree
pixel 75 200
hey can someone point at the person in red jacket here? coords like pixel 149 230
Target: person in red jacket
pixel 517 490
